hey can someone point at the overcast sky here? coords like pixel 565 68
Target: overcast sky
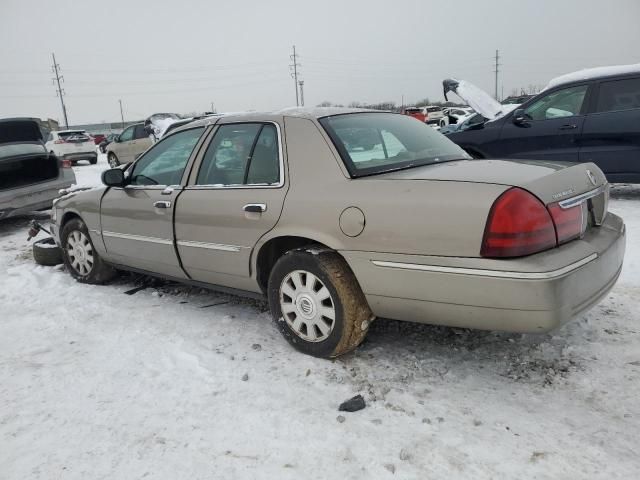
pixel 179 56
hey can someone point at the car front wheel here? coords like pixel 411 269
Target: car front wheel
pixel 113 160
pixel 80 257
pixel 317 304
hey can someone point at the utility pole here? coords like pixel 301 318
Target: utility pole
pixel 301 83
pixel 497 69
pixel 59 91
pixel 294 66
pixel 121 114
pixel 213 108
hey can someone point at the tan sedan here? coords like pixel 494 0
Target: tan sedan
pixel 339 216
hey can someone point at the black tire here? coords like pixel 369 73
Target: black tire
pixel 46 252
pixel 113 160
pixel 351 311
pixel 93 161
pixel 97 271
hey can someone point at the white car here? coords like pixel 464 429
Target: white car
pixel 435 116
pixel 72 145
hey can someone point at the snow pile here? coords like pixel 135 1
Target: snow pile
pixel 596 72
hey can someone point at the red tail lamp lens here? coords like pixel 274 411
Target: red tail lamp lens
pixel 518 225
pixel 569 222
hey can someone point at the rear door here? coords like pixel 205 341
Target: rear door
pixel 552 129
pixel 141 141
pixel 235 195
pixel 137 220
pixel 611 133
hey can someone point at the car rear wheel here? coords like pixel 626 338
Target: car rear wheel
pixel 93 161
pixel 113 160
pixel 80 257
pixel 317 304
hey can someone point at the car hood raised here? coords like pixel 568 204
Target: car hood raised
pixel 550 181
pixel 476 98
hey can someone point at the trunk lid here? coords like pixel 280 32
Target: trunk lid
pixel 549 181
pixel 20 130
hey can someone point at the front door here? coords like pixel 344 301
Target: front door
pixel 122 148
pixel 552 128
pixel 137 220
pixel 234 199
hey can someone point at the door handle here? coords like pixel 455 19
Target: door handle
pixel 255 207
pixel 568 127
pixel 162 204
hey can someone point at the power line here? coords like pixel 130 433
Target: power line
pixel 496 70
pixel 60 92
pixel 294 66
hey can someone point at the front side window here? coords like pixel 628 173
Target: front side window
pixel 165 162
pixel 241 154
pixel 619 95
pixel 371 143
pixel 127 135
pixel 561 103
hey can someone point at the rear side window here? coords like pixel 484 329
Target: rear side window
pixel 619 95
pixel 139 132
pixel 241 154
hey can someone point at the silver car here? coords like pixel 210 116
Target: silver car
pixel 341 216
pixel 30 177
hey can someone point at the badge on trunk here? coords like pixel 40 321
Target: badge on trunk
pixel 592 179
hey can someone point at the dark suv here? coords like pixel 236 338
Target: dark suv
pixel 594 119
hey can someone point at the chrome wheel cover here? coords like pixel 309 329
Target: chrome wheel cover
pixel 80 252
pixel 307 306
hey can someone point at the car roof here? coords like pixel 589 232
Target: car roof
pixel 593 74
pixel 302 112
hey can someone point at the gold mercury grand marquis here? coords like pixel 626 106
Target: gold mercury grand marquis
pixel 339 216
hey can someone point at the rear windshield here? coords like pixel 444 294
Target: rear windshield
pixel 371 143
pixel 79 133
pixel 413 110
pixel 434 109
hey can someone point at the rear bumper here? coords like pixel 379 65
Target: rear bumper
pixel 74 157
pixel 38 196
pixel 502 295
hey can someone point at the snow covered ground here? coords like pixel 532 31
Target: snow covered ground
pixel 96 384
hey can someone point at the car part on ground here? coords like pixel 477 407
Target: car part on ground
pixel 234 203
pixel 46 252
pixel 30 177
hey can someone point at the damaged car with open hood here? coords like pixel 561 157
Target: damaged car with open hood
pixel 592 115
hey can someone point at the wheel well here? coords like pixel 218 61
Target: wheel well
pixel 273 250
pixel 67 217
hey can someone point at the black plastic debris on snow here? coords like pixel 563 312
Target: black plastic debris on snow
pixel 353 404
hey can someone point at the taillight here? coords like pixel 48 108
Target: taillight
pixel 66 163
pixel 518 224
pixel 59 141
pixel 570 223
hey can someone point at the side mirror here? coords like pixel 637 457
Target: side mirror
pixel 520 118
pixel 114 177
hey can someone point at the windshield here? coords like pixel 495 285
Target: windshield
pixel 371 143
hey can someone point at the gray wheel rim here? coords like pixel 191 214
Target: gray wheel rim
pixel 112 161
pixel 80 252
pixel 307 306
